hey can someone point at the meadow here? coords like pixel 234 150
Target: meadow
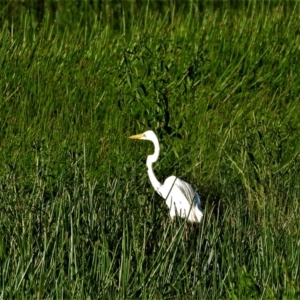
pixel 220 86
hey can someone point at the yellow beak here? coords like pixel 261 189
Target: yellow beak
pixel 137 136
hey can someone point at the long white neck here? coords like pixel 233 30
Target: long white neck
pixel 150 160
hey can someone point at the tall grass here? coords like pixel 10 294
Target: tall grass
pixel 78 217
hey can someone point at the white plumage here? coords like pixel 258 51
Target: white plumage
pixel 181 198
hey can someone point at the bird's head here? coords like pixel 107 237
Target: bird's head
pixel 147 135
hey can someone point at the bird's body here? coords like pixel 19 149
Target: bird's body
pixel 181 198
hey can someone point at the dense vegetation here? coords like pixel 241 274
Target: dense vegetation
pixel 219 83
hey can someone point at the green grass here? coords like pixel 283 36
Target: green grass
pixel 78 216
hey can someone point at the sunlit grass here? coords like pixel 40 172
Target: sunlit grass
pixel 78 216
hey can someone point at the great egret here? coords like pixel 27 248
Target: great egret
pixel 180 197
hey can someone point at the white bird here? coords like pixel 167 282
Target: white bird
pixel 181 198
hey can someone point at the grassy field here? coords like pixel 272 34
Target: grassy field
pixel 78 216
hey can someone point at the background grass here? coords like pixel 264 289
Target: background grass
pixel 219 84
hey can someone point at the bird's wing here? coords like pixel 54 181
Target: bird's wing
pixel 187 190
pixel 180 189
pixel 181 199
